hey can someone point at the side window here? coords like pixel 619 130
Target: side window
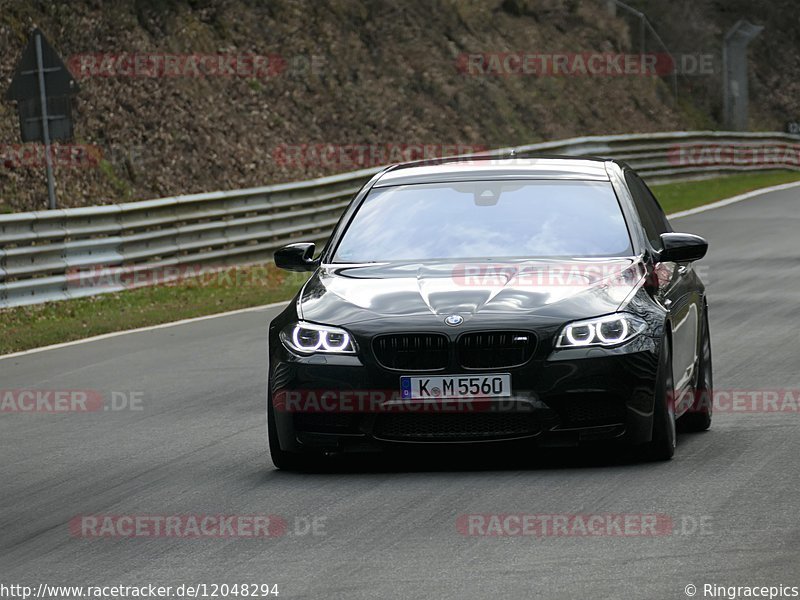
pixel 653 218
pixel 658 213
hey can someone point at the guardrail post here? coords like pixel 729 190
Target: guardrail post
pixel 734 74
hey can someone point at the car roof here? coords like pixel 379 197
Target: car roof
pixel 493 167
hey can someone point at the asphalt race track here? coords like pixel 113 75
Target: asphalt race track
pixel 388 529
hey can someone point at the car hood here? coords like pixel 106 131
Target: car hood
pixel 343 294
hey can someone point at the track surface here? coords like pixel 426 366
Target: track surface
pixel 199 446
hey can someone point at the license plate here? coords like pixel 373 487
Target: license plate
pixel 456 386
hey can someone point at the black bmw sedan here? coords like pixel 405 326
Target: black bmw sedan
pixel 539 300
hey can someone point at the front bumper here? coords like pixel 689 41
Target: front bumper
pixel 560 398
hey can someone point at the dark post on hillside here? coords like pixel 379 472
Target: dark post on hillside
pixel 41 87
pixel 734 72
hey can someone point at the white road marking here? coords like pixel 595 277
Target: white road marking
pixel 733 200
pixel 105 336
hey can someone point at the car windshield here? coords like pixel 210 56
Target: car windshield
pixel 486 219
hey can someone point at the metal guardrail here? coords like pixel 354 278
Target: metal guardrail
pixel 67 253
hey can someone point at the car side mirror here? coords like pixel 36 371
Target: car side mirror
pixel 682 247
pixel 296 257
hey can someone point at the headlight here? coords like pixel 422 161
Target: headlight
pixel 610 330
pixel 308 338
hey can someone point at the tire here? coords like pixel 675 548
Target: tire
pixel 283 460
pixel 662 445
pixel 698 417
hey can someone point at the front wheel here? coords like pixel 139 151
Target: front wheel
pixel 283 460
pixel 698 417
pixel 662 444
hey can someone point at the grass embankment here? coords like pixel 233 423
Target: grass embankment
pixel 37 325
pixel 676 197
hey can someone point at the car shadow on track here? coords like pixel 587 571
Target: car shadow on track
pixel 488 457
